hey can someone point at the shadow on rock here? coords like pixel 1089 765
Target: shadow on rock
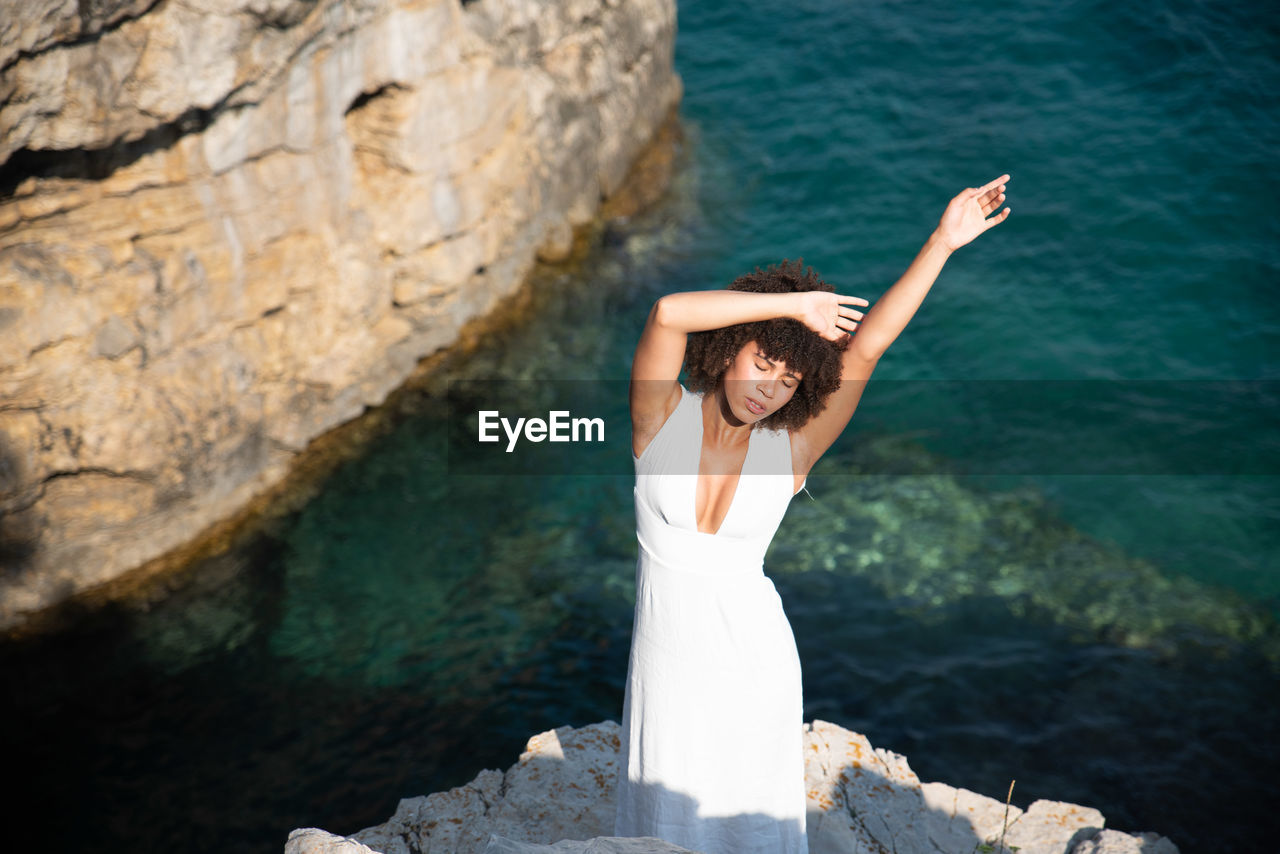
pixel 20 524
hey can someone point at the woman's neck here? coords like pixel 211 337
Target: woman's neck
pixel 719 425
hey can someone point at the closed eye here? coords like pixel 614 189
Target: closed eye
pixel 763 364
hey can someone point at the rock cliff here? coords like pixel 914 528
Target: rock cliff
pixel 227 226
pixel 559 796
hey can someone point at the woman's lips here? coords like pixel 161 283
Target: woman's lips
pixel 754 407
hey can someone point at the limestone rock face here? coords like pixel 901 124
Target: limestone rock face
pixel 227 226
pixel 560 796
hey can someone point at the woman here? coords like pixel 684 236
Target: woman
pixel 712 742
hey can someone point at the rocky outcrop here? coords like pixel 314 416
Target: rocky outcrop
pixel 313 841
pixel 227 226
pixel 861 799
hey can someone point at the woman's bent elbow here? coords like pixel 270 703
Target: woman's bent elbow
pixel 660 314
pixel 866 348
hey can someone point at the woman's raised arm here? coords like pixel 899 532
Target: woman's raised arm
pixel 964 219
pixel 967 216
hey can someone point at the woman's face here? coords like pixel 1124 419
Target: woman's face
pixel 755 387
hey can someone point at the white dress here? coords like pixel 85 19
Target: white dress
pixel 712 751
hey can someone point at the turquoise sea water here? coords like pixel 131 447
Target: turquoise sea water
pixel 1106 639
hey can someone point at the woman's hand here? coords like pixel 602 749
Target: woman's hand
pixel 829 314
pixel 967 215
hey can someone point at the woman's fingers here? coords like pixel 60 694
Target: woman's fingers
pixel 983 193
pixel 988 194
pixel 998 218
pixel 990 184
pixel 853 314
pixel 841 298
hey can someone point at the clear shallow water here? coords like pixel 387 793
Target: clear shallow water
pixel 1107 640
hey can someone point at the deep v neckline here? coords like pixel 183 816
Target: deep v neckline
pixel 733 499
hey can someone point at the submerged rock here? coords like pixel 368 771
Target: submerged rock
pixel 559 797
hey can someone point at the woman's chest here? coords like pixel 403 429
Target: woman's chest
pixel 704 493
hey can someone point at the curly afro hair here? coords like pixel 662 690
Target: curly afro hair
pixel 708 354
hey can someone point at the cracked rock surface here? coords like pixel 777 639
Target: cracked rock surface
pixel 559 796
pixel 227 226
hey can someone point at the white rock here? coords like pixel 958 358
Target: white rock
pixel 862 800
pixel 312 840
pixel 600 845
pixel 561 788
pixel 1115 842
pixel 1051 827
